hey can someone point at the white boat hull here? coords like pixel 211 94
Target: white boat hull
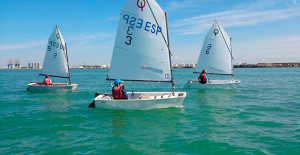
pixel 141 101
pixel 211 84
pixel 50 88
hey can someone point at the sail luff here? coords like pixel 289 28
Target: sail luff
pixel 167 42
pixel 231 57
pixel 68 63
pixel 229 50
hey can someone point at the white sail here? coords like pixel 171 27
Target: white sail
pixel 140 51
pixel 55 61
pixel 215 55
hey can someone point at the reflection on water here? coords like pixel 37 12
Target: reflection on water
pixel 151 128
pixel 216 113
pixel 119 122
pixel 56 101
pixel 213 96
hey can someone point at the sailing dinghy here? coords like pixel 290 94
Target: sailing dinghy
pixel 55 65
pixel 142 54
pixel 216 58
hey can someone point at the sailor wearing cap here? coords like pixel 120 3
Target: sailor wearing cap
pixel 118 91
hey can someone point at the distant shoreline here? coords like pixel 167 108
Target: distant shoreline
pixel 266 65
pixel 235 66
pixel 243 65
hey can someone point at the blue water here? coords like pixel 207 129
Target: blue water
pixel 261 116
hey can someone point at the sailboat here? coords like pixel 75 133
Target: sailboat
pixel 55 65
pixel 142 54
pixel 216 57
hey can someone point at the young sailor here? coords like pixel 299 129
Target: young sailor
pixel 203 77
pixel 47 80
pixel 118 91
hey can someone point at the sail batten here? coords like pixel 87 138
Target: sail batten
pixel 141 52
pixel 55 61
pixel 216 55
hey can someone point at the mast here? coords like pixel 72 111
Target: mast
pixel 170 60
pixel 68 64
pixel 231 57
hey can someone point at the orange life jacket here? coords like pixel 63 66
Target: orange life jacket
pixel 117 92
pixel 47 81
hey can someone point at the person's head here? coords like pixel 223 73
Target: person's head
pixel 117 82
pixel 46 76
pixel 204 71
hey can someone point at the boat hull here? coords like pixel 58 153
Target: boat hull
pixel 37 87
pixel 141 101
pixel 213 84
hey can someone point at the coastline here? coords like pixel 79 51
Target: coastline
pixel 267 65
pixel 243 65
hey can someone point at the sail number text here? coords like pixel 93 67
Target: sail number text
pixel 138 23
pixel 142 24
pixel 54 45
pixel 129 33
pixel 168 76
pixel 208 48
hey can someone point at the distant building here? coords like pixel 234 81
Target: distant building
pixel 13 64
pixel 175 65
pixel 182 65
pixel 37 65
pixel 10 64
pixel 17 64
pixel 30 65
pixel 91 67
pixel 190 66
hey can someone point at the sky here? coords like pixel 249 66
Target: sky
pixel 263 31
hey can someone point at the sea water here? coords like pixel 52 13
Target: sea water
pixel 261 116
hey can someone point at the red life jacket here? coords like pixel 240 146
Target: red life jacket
pixel 117 92
pixel 203 78
pixel 47 81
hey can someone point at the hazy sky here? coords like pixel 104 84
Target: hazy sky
pixel 262 31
